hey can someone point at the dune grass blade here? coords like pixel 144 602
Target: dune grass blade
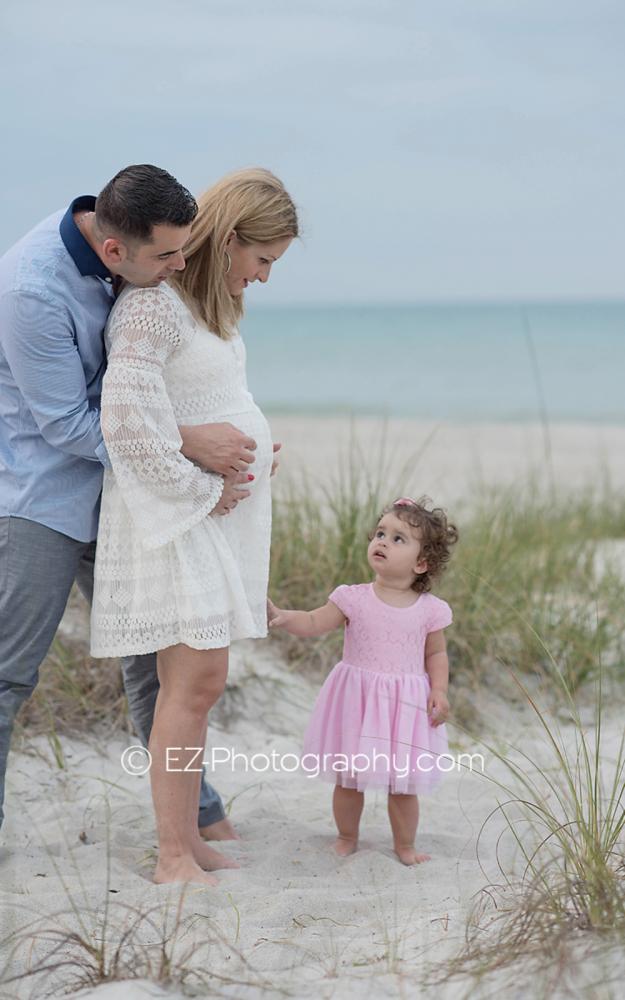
pixel 567 905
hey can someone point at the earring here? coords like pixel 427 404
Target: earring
pixel 229 259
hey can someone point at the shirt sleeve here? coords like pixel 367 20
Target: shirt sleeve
pixel 38 342
pixel 165 493
pixel 440 615
pixel 342 597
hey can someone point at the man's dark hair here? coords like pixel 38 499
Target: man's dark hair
pixel 140 197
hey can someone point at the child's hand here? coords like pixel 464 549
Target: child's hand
pixel 438 707
pixel 276 617
pixel 276 461
pixel 305 623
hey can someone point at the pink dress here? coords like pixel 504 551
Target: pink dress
pixel 369 727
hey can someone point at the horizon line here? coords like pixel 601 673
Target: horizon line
pixel 443 302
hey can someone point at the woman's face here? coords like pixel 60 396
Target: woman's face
pixel 252 261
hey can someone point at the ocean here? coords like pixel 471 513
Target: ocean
pixel 487 362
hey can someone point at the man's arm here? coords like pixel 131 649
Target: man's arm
pixel 39 346
pixel 221 448
pixel 38 343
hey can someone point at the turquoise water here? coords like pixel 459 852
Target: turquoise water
pixel 462 362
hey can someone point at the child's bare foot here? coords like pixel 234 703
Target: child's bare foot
pixel 409 856
pixel 182 870
pixel 210 859
pixel 221 830
pixel 344 846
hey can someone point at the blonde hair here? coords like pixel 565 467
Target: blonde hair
pixel 253 203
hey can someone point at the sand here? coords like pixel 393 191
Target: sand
pixel 446 461
pixel 294 915
pixel 80 837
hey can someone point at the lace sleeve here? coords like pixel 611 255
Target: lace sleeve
pixel 165 493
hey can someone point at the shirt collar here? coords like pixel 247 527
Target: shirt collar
pixel 84 257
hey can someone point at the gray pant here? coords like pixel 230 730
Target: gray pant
pixel 37 569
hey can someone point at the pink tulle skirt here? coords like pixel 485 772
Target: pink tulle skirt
pixel 371 730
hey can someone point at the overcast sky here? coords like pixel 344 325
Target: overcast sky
pixel 457 149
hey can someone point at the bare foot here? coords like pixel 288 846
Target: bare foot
pixel 344 846
pixel 408 856
pixel 210 859
pixel 182 870
pixel 221 830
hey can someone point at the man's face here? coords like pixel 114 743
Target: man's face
pixel 147 264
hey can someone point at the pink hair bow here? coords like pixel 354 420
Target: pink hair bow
pixel 404 502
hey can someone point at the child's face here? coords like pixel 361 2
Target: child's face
pixel 394 550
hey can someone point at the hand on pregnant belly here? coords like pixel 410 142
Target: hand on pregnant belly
pixel 220 447
pixel 233 491
pixel 253 423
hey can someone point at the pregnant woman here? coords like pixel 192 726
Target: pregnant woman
pixel 171 575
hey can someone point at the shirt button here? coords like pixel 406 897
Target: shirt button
pixel 110 280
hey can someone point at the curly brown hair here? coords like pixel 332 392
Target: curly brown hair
pixel 437 535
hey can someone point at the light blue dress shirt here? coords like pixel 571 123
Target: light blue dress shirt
pixel 55 297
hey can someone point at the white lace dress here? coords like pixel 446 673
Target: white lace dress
pixel 166 570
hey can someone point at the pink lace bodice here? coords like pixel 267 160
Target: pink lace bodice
pixel 385 639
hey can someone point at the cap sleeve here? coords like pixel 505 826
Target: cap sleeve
pixel 342 597
pixel 439 614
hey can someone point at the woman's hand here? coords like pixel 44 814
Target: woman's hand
pixel 232 493
pixel 438 707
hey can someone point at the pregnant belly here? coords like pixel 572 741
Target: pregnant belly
pixel 252 422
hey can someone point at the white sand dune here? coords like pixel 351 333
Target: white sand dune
pixel 297 914
pixel 293 918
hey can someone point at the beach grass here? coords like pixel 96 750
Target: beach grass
pixel 556 916
pixel 75 694
pixel 161 943
pixel 524 578
pixel 173 941
pixel 534 570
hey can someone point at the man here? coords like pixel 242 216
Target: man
pixel 57 286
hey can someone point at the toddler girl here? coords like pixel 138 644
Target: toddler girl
pixel 378 721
